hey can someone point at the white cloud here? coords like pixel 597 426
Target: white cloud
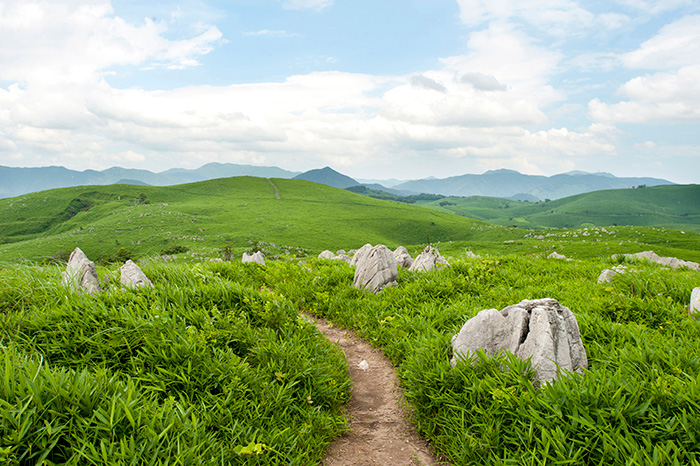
pixel 306 4
pixel 660 97
pixel 677 44
pixel 561 18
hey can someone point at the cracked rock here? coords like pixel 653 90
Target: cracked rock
pixel 540 329
pixel 81 274
pixel 376 268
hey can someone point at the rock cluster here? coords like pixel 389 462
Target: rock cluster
pixel 81 274
pixel 668 261
pixel 540 329
pixel 340 255
pixel 403 258
pixel 256 257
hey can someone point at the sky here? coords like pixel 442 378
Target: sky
pixel 376 89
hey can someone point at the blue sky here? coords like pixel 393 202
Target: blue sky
pixel 376 89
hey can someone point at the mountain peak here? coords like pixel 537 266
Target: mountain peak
pixel 502 171
pixel 328 176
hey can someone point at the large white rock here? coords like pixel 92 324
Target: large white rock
pixel 668 261
pixel 81 274
pixel 256 257
pixel 428 260
pixel 540 329
pixel 132 276
pixel 360 253
pixel 376 268
pixel 694 301
pixel 403 258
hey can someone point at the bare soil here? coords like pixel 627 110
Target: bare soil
pixel 379 432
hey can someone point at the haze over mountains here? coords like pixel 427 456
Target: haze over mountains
pixel 496 183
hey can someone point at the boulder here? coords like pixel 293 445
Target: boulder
pixel 470 255
pixel 428 260
pixel 256 257
pixel 694 301
pixel 132 276
pixel 667 261
pixel 360 253
pixel 556 255
pixel 326 255
pixel 540 329
pixel 343 257
pixel 81 274
pixel 403 258
pixel 376 268
pixel 607 274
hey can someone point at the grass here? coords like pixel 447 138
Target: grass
pixel 673 206
pixel 206 216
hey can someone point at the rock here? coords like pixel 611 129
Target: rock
pixel 403 258
pixel 470 255
pixel 668 261
pixel 81 274
pixel 607 274
pixel 360 253
pixel 343 257
pixel 556 255
pixel 340 252
pixel 376 268
pixel 132 276
pixel 326 255
pixel 256 257
pixel 540 329
pixel 364 365
pixel 694 301
pixel 426 260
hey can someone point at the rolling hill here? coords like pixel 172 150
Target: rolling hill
pixel 205 215
pixel 675 206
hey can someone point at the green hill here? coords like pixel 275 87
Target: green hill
pixel 206 215
pixel 673 206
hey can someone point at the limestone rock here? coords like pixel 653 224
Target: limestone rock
pixel 132 276
pixel 360 253
pixel 607 274
pixel 470 255
pixel 403 258
pixel 668 261
pixel 376 268
pixel 694 301
pixel 326 255
pixel 81 274
pixel 256 257
pixel 556 255
pixel 540 329
pixel 428 260
pixel 343 257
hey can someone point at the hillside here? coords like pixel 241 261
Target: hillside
pixel 205 215
pixel 674 206
pixel 509 183
pixel 16 181
pixel 327 176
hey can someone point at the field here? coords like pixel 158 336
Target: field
pixel 215 365
pixel 670 206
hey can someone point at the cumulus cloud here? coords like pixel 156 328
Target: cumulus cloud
pixel 677 44
pixel 482 82
pixel 427 83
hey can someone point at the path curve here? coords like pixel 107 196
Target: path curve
pixel 277 193
pixel 379 433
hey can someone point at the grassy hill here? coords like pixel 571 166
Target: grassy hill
pixel 662 206
pixel 206 215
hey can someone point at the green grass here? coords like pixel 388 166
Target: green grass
pixel 661 206
pixel 206 368
pixel 203 216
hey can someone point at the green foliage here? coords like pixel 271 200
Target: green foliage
pixel 198 370
pixel 174 249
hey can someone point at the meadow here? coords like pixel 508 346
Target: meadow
pixel 215 364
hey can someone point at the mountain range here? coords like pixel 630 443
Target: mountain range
pixel 496 183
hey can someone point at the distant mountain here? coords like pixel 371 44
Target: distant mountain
pixel 17 181
pixel 509 183
pixel 329 177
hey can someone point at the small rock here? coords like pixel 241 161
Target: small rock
pixel 694 302
pixel 364 365
pixel 607 274
pixel 256 257
pixel 132 276
pixel 326 255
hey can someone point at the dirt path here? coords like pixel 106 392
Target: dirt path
pixel 379 433
pixel 277 193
